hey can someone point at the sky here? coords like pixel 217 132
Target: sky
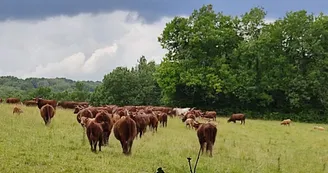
pixel 84 40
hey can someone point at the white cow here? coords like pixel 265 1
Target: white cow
pixel 180 111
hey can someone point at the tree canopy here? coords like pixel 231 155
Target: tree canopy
pixel 240 63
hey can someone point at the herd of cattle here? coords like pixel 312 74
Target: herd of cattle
pixel 128 122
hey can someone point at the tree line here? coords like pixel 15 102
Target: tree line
pixel 232 64
pixel 56 88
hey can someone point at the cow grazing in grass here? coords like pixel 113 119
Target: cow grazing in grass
pixel 190 123
pixel 125 130
pixel 190 115
pixel 210 115
pixel 319 128
pixel 237 117
pixel 77 109
pixel 12 100
pixel 17 110
pixel 286 122
pixel 206 134
pixel 47 113
pixel 67 104
pixel 30 103
pixel 180 111
pixel 94 132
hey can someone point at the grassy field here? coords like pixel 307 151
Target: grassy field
pixel 27 145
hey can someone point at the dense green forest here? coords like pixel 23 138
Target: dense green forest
pixel 230 64
pixel 233 64
pixel 56 88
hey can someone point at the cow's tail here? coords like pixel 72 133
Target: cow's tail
pixel 211 132
pixel 92 136
pixel 131 134
pixel 48 114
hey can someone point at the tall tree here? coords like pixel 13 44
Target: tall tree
pixel 135 86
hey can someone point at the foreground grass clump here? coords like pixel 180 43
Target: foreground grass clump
pixel 27 145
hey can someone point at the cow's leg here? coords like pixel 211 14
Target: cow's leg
pixel 121 141
pixel 138 131
pixel 91 145
pixel 105 139
pixel 210 147
pixel 130 147
pixel 125 148
pixel 95 146
pixel 202 145
pixel 100 142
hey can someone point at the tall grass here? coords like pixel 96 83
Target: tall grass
pixel 27 145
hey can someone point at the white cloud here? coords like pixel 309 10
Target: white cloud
pixel 269 20
pixel 82 47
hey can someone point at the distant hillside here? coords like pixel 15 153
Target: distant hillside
pixel 10 85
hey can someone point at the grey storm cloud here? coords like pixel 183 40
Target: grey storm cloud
pixel 151 10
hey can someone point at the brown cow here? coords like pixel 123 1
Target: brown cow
pixel 116 117
pixel 119 111
pixel 67 104
pixel 106 123
pixel 84 104
pixel 40 102
pixel 125 130
pixel 197 124
pixel 237 117
pixel 162 118
pixel 141 121
pixel 153 122
pixel 12 100
pixel 130 108
pixel 190 123
pixel 72 104
pixel 210 115
pixel 84 113
pixel 47 113
pixel 207 134
pixel 94 132
pixel 30 103
pixel 188 115
pixel 17 110
pixel 78 108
